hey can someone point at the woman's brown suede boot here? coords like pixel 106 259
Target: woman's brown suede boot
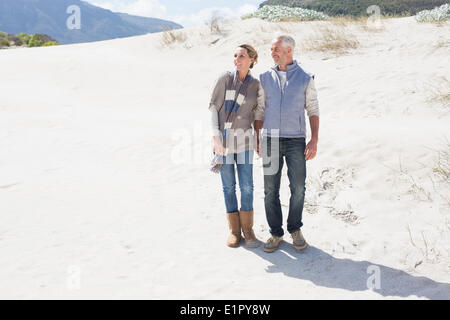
pixel 246 219
pixel 235 229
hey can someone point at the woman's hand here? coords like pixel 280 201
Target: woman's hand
pixel 218 146
pixel 258 125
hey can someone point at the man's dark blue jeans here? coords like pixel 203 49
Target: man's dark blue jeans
pixel 275 150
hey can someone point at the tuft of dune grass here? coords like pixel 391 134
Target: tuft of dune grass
pixel 442 166
pixel 440 93
pixel 364 23
pixel 169 37
pixel 334 40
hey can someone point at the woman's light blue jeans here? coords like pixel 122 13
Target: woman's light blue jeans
pixel 244 164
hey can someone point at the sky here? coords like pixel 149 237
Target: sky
pixel 185 12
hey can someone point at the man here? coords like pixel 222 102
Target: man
pixel 289 91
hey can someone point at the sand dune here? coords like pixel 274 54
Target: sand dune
pixel 105 190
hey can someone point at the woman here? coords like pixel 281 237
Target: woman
pixel 237 103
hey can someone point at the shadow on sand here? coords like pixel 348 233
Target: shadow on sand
pixel 324 270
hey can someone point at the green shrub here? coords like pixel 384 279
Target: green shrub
pixel 18 42
pixel 50 43
pixel 359 7
pixel 441 13
pixel 283 13
pixel 37 40
pixel 24 38
pixel 14 40
pixel 4 43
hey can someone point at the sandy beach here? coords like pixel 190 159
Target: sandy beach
pixel 105 190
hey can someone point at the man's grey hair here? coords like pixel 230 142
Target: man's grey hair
pixel 286 41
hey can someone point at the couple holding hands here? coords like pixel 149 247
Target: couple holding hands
pixel 266 116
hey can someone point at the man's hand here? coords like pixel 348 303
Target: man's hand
pixel 258 146
pixel 311 149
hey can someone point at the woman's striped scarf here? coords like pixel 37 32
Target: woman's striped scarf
pixel 234 97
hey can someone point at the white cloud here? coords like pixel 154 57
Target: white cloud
pixel 154 8
pixel 199 18
pixel 246 8
pixel 145 8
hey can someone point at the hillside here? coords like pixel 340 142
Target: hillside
pixel 49 17
pixel 359 7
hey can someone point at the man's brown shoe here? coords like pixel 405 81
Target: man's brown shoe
pixel 272 244
pixel 298 241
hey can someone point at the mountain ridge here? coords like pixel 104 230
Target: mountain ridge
pixel 50 16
